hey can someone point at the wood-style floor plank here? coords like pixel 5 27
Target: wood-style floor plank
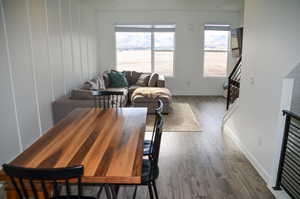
pixel 205 165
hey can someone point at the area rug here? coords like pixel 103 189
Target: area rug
pixel 180 119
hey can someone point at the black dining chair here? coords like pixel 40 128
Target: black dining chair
pixel 148 143
pixel 108 99
pixel 32 181
pixel 150 169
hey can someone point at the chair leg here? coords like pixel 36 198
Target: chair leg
pixel 107 191
pixel 150 190
pixel 135 190
pixel 114 191
pixel 155 189
pixel 99 192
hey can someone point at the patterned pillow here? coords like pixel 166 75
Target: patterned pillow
pixel 92 84
pixel 101 82
pixel 153 80
pixel 143 80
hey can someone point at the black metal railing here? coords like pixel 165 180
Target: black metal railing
pixel 234 78
pixel 288 176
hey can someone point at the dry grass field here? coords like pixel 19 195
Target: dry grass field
pixel 140 60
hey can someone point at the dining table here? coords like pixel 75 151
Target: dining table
pixel 107 142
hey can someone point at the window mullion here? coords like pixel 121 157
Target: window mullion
pixel 152 52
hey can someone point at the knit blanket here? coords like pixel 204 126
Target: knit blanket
pixel 151 92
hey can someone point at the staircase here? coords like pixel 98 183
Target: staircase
pixel 234 78
pixel 233 91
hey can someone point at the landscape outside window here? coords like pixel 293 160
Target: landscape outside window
pixel 146 48
pixel 216 45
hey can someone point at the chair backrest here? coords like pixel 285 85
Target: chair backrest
pixel 157 141
pixel 108 99
pixel 160 106
pixel 158 111
pixel 30 181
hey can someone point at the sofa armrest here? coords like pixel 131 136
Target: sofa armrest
pixel 161 82
pixel 82 94
pixel 65 105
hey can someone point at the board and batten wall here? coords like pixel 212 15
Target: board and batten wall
pixel 47 47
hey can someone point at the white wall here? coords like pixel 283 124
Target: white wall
pixel 189 16
pixel 46 47
pixel 271 51
pixel 188 62
pixel 295 103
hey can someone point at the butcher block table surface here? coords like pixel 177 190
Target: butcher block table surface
pixel 108 142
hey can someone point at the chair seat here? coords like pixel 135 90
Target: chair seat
pixel 146 172
pixel 147 145
pixel 72 197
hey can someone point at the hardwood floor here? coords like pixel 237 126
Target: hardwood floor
pixel 205 165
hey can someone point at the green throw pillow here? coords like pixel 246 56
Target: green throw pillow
pixel 117 79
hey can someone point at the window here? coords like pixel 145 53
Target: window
pixel 146 48
pixel 216 47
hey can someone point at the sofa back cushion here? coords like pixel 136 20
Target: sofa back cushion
pixel 134 77
pixel 128 75
pixel 105 78
pixel 117 79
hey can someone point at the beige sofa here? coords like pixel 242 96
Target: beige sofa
pixel 82 97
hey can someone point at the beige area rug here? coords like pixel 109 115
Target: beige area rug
pixel 180 119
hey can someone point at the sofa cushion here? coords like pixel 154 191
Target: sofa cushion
pixel 153 80
pixel 128 76
pixel 143 80
pixel 106 78
pixel 118 79
pixel 134 77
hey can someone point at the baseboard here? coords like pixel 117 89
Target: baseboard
pixel 261 171
pixel 196 93
pixel 279 194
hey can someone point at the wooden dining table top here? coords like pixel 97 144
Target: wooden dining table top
pixel 107 142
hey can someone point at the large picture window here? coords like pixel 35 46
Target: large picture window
pixel 146 48
pixel 216 47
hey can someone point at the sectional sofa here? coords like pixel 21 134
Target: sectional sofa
pixel 82 96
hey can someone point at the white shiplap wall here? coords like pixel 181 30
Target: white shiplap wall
pixel 47 47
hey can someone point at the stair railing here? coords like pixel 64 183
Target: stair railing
pixel 234 78
pixel 288 176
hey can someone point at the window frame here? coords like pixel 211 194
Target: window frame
pixel 152 29
pixel 217 27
